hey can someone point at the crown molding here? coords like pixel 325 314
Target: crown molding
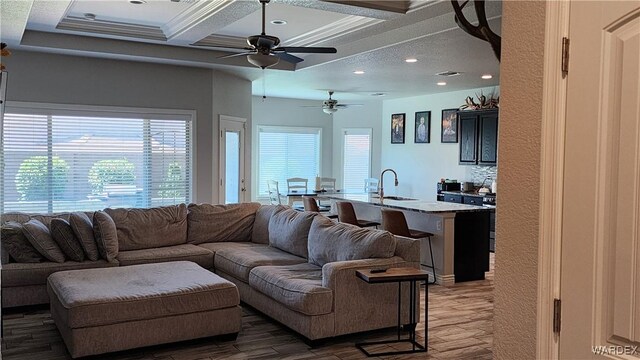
pixel 336 29
pixel 72 23
pixel 193 16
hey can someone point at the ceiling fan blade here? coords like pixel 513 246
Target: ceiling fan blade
pixel 289 58
pixel 307 50
pixel 347 105
pixel 234 55
pixel 224 48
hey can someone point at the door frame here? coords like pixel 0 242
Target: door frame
pixel 221 162
pixel 554 100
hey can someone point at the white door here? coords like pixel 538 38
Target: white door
pixel 600 276
pixel 232 181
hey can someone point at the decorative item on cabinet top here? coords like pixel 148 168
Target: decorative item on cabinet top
pixel 4 52
pixel 491 102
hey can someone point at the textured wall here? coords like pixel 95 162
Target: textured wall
pixel 516 274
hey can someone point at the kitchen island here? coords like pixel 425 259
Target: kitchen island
pixel 461 232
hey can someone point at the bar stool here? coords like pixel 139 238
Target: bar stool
pixel 394 222
pixel 347 214
pixel 310 204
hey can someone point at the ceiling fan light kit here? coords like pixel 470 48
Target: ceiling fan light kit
pixel 262 60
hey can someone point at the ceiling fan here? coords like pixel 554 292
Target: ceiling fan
pixel 331 105
pixel 263 50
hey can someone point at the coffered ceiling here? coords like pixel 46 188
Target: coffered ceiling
pixel 373 36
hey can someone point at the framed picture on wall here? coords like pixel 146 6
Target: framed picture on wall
pixel 422 134
pixel 449 123
pixel 397 128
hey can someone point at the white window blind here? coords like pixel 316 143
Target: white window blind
pixel 356 158
pixel 57 160
pixel 286 152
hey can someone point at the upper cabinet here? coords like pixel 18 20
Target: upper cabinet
pixel 478 137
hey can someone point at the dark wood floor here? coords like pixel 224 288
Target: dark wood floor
pixel 460 327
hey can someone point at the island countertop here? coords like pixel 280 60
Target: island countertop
pixel 411 205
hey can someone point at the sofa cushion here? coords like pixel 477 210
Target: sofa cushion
pixel 238 262
pixel 260 231
pixel 19 274
pixel 98 297
pixel 106 234
pixel 16 244
pixel 298 287
pixel 63 235
pixel 82 226
pixel 150 228
pixel 329 242
pixel 212 223
pixel 217 246
pixel 184 252
pixel 289 230
pixel 40 237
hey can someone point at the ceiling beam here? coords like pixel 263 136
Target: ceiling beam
pixel 134 51
pixel 398 6
pixel 13 20
pixel 370 9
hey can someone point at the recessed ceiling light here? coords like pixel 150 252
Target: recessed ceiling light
pixel 279 22
pixel 137 2
pixel 441 83
pixel 411 60
pixel 358 72
pixel 487 76
pixel 89 16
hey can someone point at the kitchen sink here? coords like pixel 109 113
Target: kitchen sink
pixel 399 198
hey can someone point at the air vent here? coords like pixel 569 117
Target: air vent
pixel 449 73
pixel 378 94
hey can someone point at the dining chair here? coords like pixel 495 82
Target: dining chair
pixel 296 184
pixel 328 184
pixel 274 193
pixel 346 214
pixel 395 222
pixel 370 185
pixel 310 204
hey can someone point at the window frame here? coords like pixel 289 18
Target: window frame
pixel 355 131
pixel 283 129
pixel 53 109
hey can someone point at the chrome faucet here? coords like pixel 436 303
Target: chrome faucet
pixel 381 190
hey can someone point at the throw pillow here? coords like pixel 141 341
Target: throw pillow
pixel 106 234
pixel 83 229
pixel 39 236
pixel 65 238
pixel 329 242
pixel 17 245
pixel 289 230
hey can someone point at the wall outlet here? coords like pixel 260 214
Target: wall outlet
pixel 439 225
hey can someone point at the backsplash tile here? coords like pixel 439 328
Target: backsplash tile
pixel 480 173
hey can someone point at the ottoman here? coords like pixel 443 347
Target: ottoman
pixel 104 310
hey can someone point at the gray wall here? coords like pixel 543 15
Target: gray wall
pixel 518 216
pixel 290 112
pixel 61 79
pixel 366 116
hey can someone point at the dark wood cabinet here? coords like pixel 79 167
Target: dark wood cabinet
pixel 453 198
pixel 478 131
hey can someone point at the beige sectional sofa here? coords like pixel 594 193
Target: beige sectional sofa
pixel 298 268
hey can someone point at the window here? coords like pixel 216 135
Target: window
pixel 356 158
pixel 70 159
pixel 286 152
